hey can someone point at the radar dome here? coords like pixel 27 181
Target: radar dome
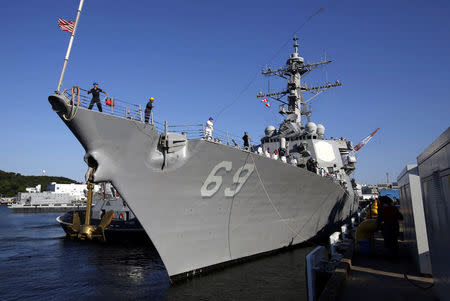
pixel 311 128
pixel 270 130
pixel 320 130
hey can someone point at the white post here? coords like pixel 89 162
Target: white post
pixel 66 59
pixel 140 112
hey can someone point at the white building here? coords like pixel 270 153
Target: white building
pixel 77 191
pixel 33 189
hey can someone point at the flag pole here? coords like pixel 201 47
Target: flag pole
pixel 66 59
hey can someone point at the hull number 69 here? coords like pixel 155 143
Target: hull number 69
pixel 213 182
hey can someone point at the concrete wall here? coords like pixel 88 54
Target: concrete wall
pixel 434 172
pixel 414 227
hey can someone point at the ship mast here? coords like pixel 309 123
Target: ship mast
pixel 293 72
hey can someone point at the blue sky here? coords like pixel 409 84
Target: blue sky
pixel 196 57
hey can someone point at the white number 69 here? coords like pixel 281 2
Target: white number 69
pixel 212 178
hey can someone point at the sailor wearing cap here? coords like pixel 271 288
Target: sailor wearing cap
pixel 294 160
pixel 148 109
pixel 96 97
pixel 209 128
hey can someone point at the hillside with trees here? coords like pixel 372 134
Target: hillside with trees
pixel 11 183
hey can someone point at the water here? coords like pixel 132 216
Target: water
pixel 37 262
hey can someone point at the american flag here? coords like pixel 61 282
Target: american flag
pixel 66 25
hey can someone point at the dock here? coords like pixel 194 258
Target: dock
pixel 371 273
pixel 377 276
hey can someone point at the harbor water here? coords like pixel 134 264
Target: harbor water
pixel 37 262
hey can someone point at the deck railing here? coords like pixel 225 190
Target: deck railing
pixel 124 109
pixel 115 107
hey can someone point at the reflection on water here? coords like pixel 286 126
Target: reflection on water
pixel 36 261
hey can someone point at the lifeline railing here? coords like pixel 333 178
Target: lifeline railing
pixel 124 109
pixel 111 106
pixel 197 131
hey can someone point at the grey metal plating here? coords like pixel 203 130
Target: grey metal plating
pixel 203 203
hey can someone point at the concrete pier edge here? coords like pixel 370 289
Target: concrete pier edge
pixel 334 285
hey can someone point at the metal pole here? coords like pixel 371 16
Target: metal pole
pixel 66 59
pixel 87 219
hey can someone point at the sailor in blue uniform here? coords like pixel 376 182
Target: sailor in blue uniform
pixel 96 97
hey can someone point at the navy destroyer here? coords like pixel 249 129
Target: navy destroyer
pixel 203 202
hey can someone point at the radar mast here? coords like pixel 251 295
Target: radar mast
pixel 293 72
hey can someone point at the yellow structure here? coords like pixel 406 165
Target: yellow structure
pixel 365 230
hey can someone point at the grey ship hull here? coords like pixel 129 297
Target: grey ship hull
pixel 277 205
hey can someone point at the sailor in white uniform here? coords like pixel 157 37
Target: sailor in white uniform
pixel 209 129
pixel 322 172
pixel 294 160
pixel 260 151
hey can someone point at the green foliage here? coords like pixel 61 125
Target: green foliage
pixel 11 183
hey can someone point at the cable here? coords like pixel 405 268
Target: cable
pixel 73 111
pixel 270 200
pixel 416 285
pixel 273 56
pixel 296 233
pixel 231 209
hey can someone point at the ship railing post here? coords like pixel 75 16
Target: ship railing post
pixel 140 113
pixel 151 117
pixel 228 139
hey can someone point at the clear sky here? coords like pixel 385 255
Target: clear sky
pixel 197 57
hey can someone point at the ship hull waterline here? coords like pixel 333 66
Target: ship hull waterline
pixel 213 203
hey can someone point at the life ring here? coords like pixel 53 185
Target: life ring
pixel 121 216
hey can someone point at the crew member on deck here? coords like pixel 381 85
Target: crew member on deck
pixel 311 165
pixel 294 160
pixel 246 139
pixel 209 128
pixel 96 97
pixel 148 109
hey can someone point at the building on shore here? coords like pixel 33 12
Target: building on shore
pixel 56 198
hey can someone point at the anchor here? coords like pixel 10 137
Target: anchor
pixel 88 231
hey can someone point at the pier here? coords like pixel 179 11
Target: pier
pixel 376 276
